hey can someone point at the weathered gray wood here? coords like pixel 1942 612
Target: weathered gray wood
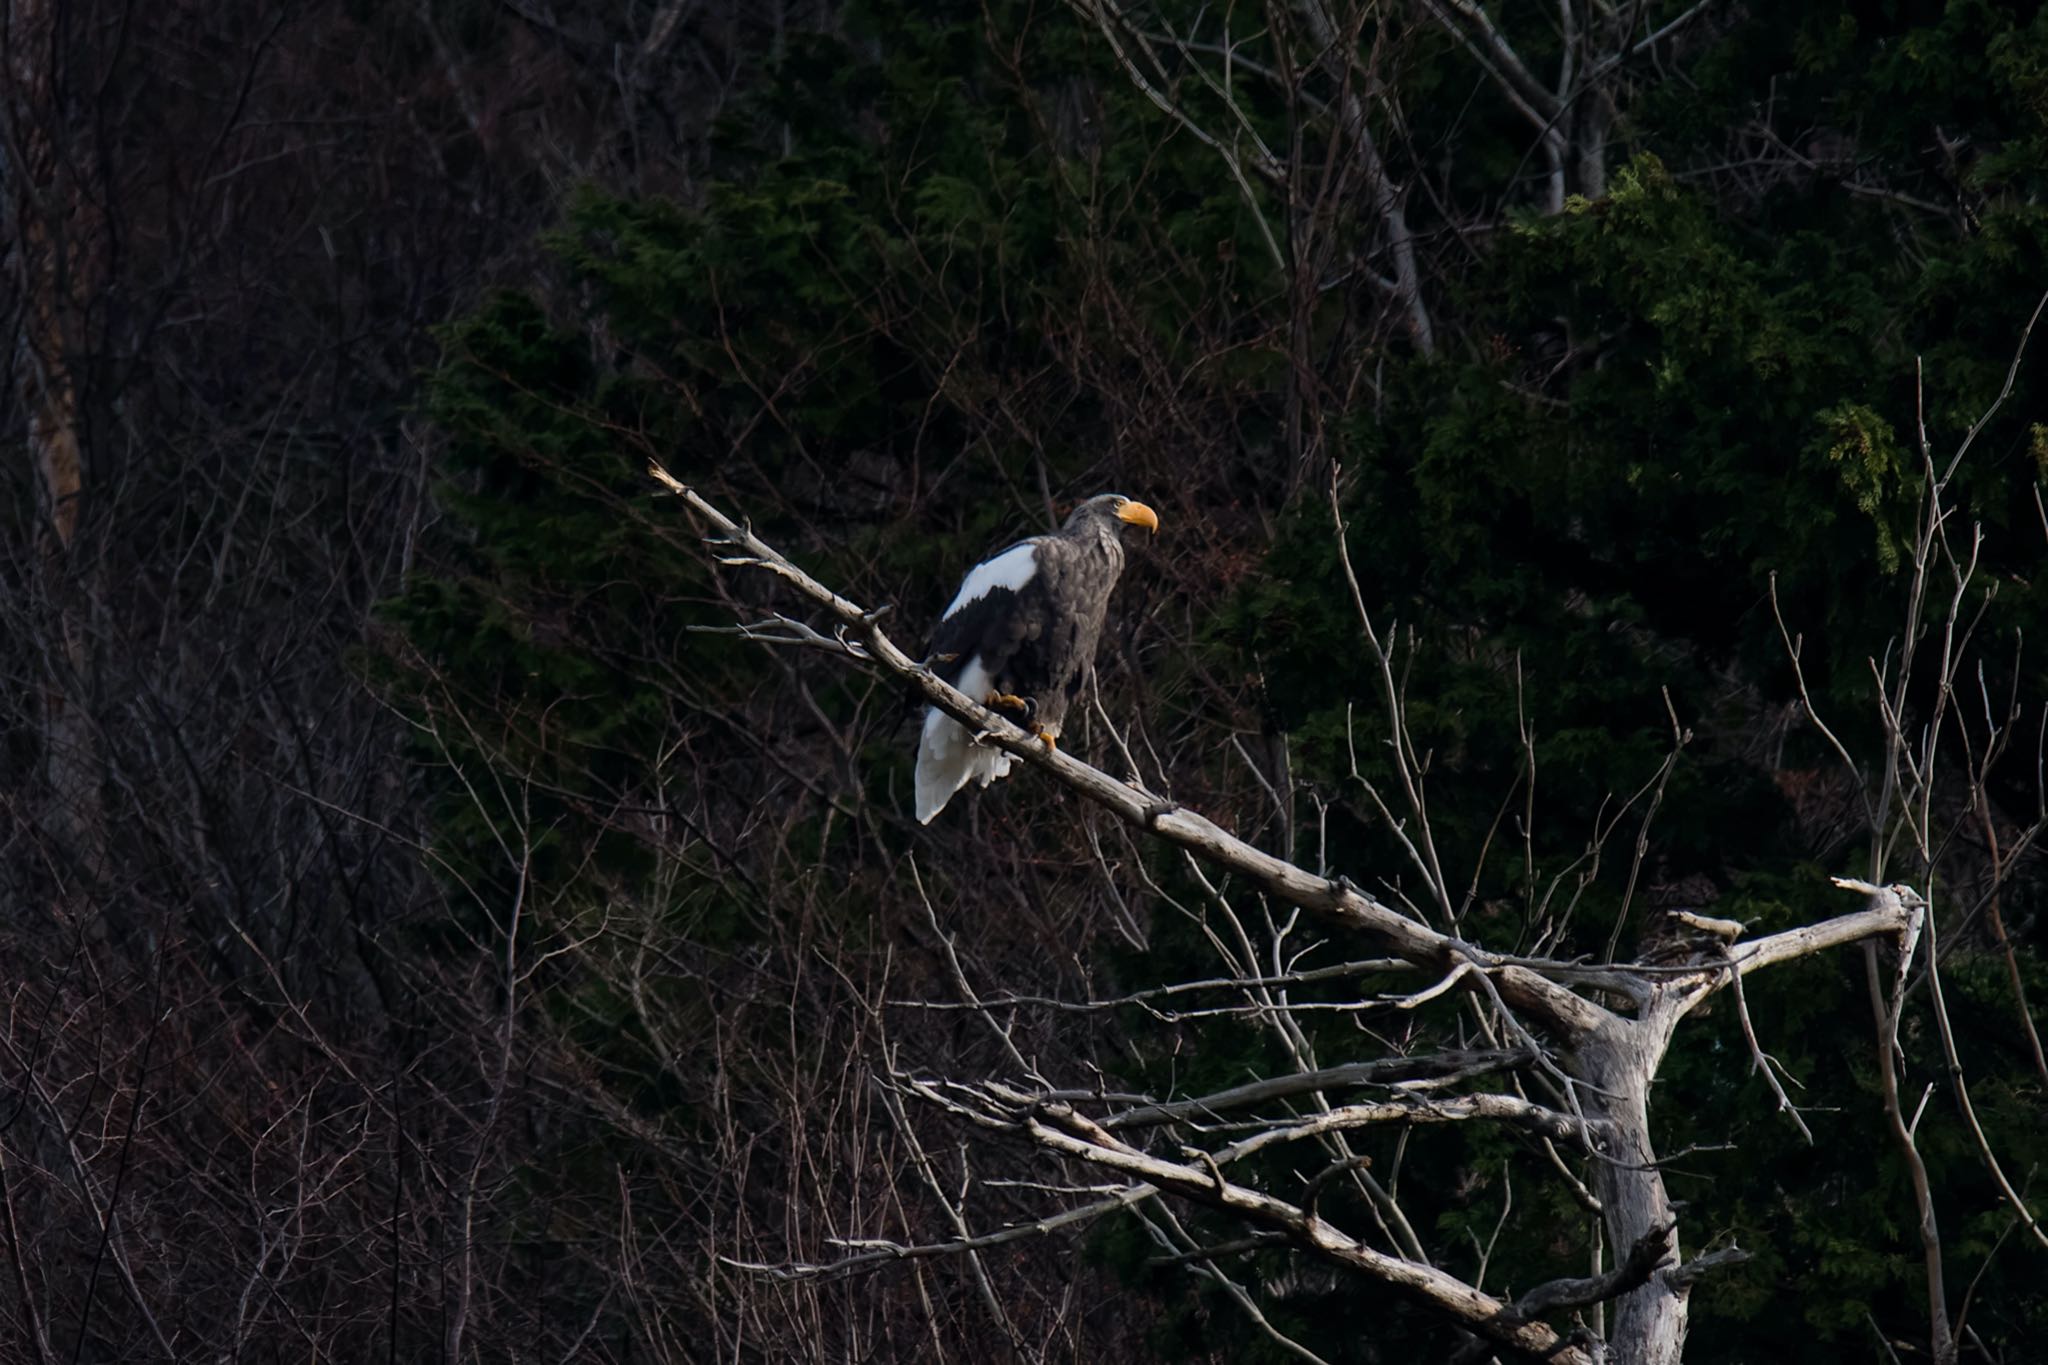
pixel 1609 1059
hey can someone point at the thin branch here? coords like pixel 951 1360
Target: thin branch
pixel 1759 1060
pixel 1507 1109
pixel 1956 1078
pixel 1205 1259
pixel 1342 971
pixel 1650 1251
pixel 1340 902
pixel 1682 1277
pixel 1061 1130
pixel 879 1251
pixel 1391 1070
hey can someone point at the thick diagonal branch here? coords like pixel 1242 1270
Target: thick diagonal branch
pixel 1612 1058
pixel 1557 1007
pixel 1058 1128
pixel 1386 1071
pixel 1649 1252
pixel 1508 1109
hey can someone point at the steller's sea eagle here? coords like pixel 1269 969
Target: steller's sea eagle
pixel 1019 637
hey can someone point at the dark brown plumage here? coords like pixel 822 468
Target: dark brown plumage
pixel 1019 636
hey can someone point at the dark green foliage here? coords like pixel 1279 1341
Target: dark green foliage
pixel 1567 521
pixel 1679 394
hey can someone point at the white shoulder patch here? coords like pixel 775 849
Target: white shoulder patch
pixel 1011 569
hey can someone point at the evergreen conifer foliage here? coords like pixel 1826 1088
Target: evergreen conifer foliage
pixel 1554 551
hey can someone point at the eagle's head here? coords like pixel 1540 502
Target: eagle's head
pixel 1110 513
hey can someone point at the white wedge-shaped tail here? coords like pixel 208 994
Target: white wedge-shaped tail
pixel 947 756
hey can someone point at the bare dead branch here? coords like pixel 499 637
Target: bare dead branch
pixel 1061 1130
pixel 1443 1066
pixel 1650 1251
pixel 1343 904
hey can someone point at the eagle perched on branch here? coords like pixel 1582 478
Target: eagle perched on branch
pixel 1019 637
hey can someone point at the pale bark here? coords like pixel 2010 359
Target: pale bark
pixel 1618 1064
pixel 1606 1060
pixel 1387 198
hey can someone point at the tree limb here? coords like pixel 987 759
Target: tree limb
pixel 1382 1072
pixel 1642 1261
pixel 1060 1129
pixel 1340 902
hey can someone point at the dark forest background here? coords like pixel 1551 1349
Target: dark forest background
pixel 419 940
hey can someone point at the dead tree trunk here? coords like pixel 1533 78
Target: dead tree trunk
pixel 1618 1060
pixel 1601 1056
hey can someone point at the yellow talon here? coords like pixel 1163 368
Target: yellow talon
pixel 1007 701
pixel 1047 736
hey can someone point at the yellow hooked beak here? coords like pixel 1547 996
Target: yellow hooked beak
pixel 1138 514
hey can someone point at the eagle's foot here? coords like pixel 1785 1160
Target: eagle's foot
pixel 1049 739
pixel 1011 704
